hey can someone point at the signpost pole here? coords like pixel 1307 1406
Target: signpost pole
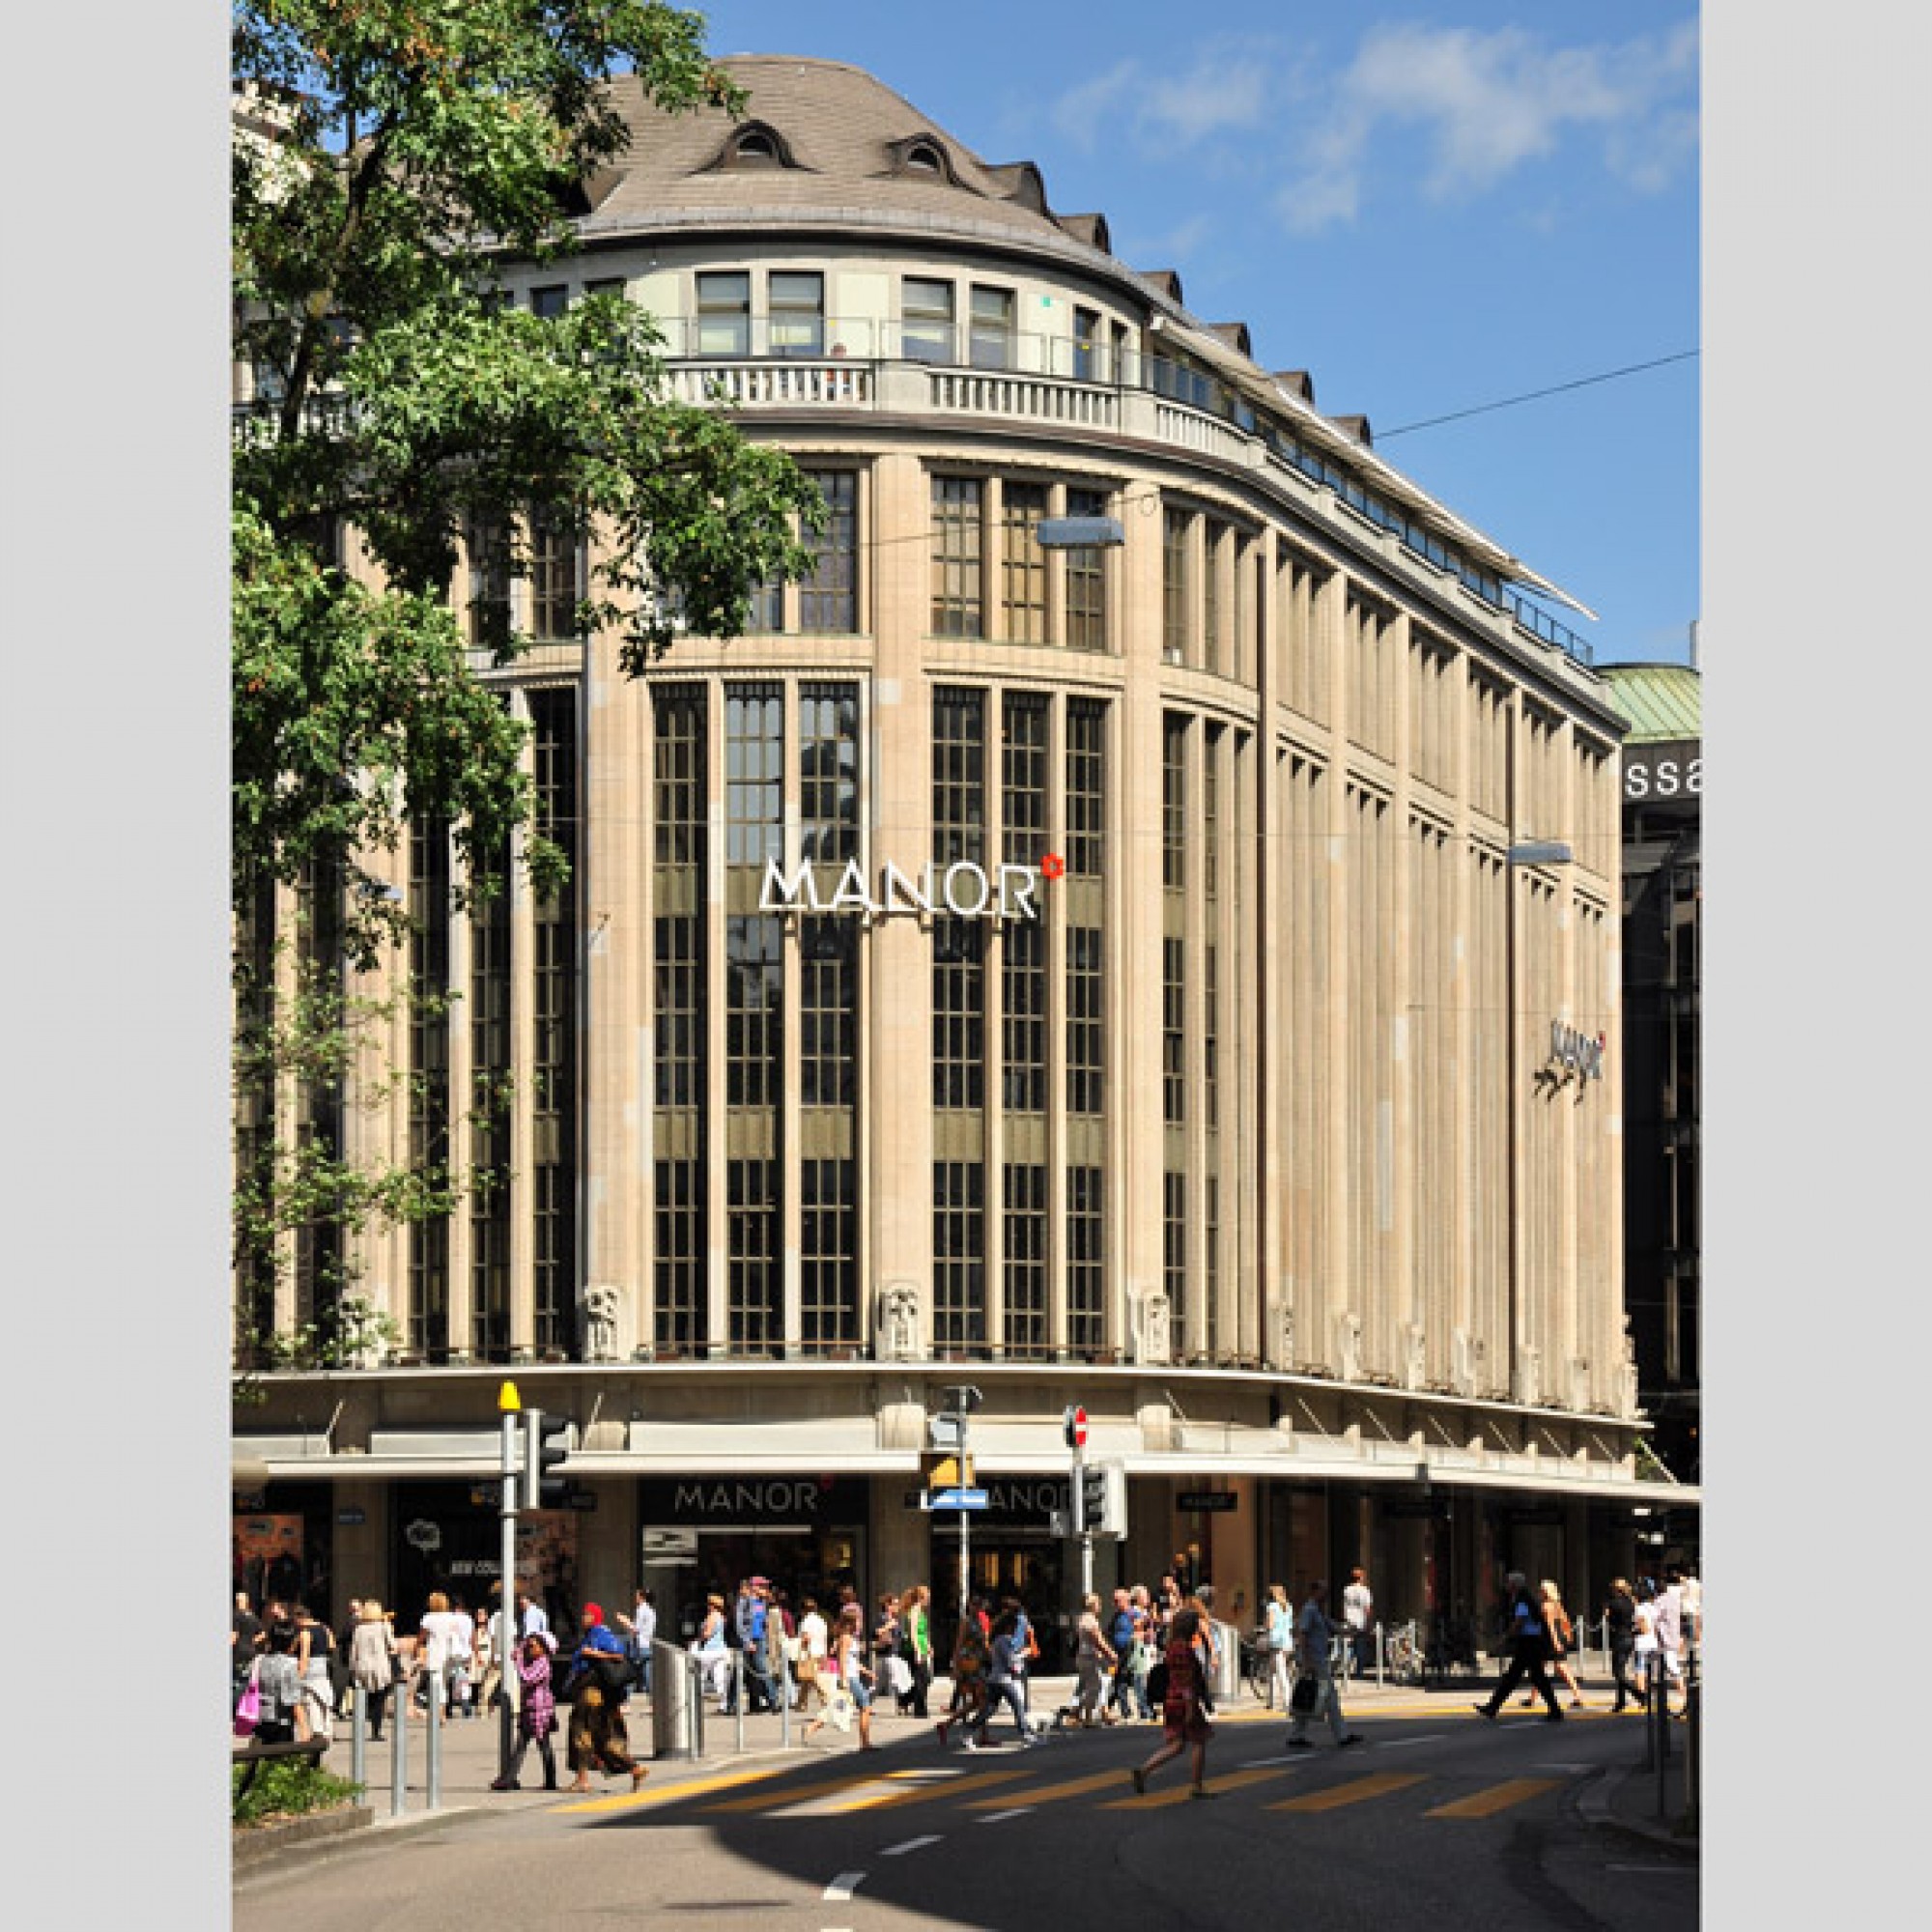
pixel 507 1634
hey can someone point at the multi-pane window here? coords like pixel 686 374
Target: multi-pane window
pixel 1022 563
pixel 1173 1032
pixel 957 555
pixel 680 714
pixel 753 1009
pixel 828 594
pixel 1086 786
pixel 1086 1260
pixel 958 1255
pixel 1086 1021
pixel 1214 610
pixel 550 301
pixel 828 773
pixel 754 774
pixel 1210 866
pixel 828 1254
pixel 1174 801
pixel 1086 347
pixel 828 1016
pixel 796 309
pixel 490 992
pixel 755 1299
pixel 991 328
pixel 487 598
pixel 1023 760
pixel 1023 1278
pixel 555 574
pixel 958 960
pixel 1086 579
pixel 554 1000
pixel 1175 620
pixel 725 314
pixel 959 1013
pixel 1174 1257
pixel 427 1326
pixel 925 329
pixel 678 1299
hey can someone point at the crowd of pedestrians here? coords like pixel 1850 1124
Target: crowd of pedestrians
pixel 1145 1654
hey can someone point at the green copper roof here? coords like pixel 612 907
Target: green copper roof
pixel 1660 700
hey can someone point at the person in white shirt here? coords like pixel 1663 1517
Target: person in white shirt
pixel 1358 1610
pixel 1281 1645
pixel 444 1649
pixel 814 1644
pixel 1670 1623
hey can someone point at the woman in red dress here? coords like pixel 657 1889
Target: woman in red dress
pixel 1183 1719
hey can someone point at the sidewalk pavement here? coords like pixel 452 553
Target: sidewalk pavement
pixel 1626 1795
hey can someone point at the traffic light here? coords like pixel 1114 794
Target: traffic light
pixel 544 1449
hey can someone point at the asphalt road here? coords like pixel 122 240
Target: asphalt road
pixel 1438 1822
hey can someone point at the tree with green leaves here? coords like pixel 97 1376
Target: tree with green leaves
pixel 389 157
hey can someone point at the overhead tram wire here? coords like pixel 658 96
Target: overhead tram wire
pixel 1534 395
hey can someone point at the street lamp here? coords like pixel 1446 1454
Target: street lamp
pixel 1521 852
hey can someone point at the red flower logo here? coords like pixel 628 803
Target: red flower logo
pixel 1053 866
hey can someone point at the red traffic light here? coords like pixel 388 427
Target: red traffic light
pixel 1074 1425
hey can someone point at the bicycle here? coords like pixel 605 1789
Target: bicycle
pixel 1257 1664
pixel 1402 1656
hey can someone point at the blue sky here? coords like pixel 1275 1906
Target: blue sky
pixel 1430 209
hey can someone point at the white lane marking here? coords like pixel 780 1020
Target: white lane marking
pixel 1255 1763
pixel 845 1884
pixel 1396 1744
pixel 994 1817
pixel 912 1845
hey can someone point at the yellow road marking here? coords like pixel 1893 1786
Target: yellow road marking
pixel 1180 1794
pixel 651 1794
pixel 1041 1794
pixel 1353 1793
pixel 796 1794
pixel 938 1787
pixel 1498 1797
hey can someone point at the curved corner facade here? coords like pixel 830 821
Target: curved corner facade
pixel 1095 972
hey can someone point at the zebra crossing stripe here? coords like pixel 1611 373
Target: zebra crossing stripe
pixel 918 1794
pixel 1178 1794
pixel 1351 1793
pixel 796 1794
pixel 1043 1793
pixel 1497 1798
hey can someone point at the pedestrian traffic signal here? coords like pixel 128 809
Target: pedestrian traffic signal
pixel 544 1449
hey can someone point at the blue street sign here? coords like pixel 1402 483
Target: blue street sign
pixel 957 1500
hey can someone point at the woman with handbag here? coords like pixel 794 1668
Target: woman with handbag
pixel 919 1645
pixel 1183 1716
pixel 1281 1646
pixel 283 1717
pixel 315 1645
pixel 598 1737
pixel 373 1663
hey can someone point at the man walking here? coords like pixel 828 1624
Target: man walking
pixel 1668 1614
pixel 749 1619
pixel 1530 1653
pixel 1121 1635
pixel 1313 1647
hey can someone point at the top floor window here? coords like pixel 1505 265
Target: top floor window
pixel 725 314
pixel 992 327
pixel 1086 351
pixel 925 325
pixel 797 313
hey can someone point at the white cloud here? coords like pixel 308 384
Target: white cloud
pixel 1080 114
pixel 1488 105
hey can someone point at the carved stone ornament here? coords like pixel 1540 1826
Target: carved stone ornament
pixel 898 1322
pixel 608 1323
pixel 1415 1355
pixel 1154 1342
pixel 1468 1354
pixel 1349 1345
pixel 1529 1377
pixel 1284 1334
pixel 1580 1383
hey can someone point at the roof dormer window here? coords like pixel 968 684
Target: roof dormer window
pixel 757 143
pixel 926 157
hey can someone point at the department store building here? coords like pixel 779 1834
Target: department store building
pixel 1165 964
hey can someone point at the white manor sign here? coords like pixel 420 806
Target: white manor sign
pixel 962 889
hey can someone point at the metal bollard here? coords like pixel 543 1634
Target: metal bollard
pixel 433 1747
pixel 359 1739
pixel 738 1696
pixel 399 1746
